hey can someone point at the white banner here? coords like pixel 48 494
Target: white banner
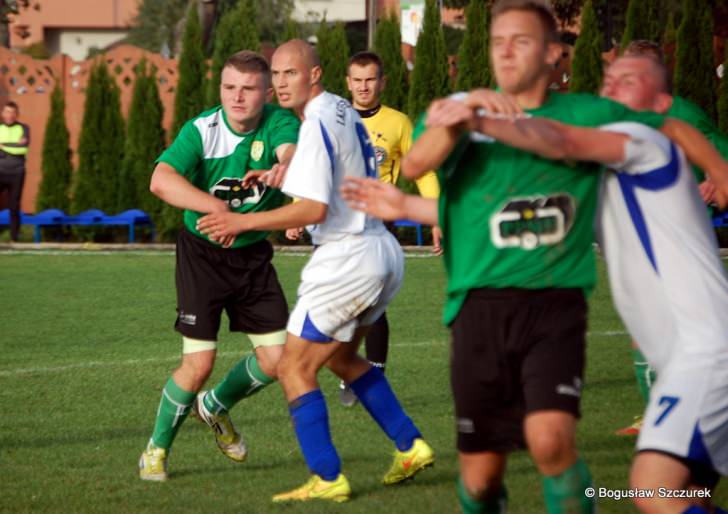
pixel 412 16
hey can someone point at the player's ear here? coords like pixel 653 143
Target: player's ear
pixel 269 94
pixel 348 82
pixel 316 73
pixel 662 103
pixel 553 54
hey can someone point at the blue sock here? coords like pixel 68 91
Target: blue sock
pixel 311 424
pixel 378 399
pixel 694 509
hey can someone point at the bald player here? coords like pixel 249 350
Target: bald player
pixel 355 271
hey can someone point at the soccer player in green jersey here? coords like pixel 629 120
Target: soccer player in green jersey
pixel 203 172
pixel 642 85
pixel 519 260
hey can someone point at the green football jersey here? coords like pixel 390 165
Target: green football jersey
pixel 514 219
pixel 214 158
pixel 687 111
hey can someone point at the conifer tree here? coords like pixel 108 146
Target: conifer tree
pixel 144 142
pixel 56 158
pixel 333 50
pixel 291 30
pixel 637 24
pixel 723 96
pixel 101 145
pixel 669 38
pixel 586 67
pixel 429 78
pixel 387 44
pixel 473 59
pixel 189 98
pixel 694 76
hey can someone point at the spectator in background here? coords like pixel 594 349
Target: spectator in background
pixel 14 141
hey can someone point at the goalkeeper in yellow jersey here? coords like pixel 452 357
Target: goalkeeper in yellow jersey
pixel 391 135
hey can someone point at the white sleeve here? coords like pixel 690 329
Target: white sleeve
pixel 641 156
pixel 310 174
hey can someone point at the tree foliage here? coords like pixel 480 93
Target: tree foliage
pixel 694 76
pixel 56 158
pixel 637 26
pixel 430 78
pixel 144 142
pixel 473 58
pixel 586 67
pixel 101 144
pixel 723 96
pixel 236 31
pixel 387 44
pixel 270 19
pixel 333 50
pixel 189 98
pixel 154 26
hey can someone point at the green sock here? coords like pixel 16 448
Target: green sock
pixel 564 494
pixel 173 409
pixel 246 378
pixel 469 505
pixel 644 373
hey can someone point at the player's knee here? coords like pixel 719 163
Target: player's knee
pixel 196 372
pixel 552 451
pixel 481 487
pixel 269 366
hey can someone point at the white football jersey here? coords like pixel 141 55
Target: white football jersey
pixel 668 282
pixel 333 143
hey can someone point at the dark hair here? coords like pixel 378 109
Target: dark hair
pixel 246 61
pixel 12 105
pixel 644 47
pixel 540 8
pixel 365 58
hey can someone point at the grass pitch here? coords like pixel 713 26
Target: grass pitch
pixel 87 344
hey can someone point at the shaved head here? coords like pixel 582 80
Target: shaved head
pixel 300 49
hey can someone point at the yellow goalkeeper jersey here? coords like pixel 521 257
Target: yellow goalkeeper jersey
pixel 391 135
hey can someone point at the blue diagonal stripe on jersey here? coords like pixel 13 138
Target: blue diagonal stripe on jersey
pixel 311 333
pixel 328 145
pixel 654 180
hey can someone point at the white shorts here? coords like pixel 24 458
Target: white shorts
pixel 688 412
pixel 346 284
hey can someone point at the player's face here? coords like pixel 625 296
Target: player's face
pixel 9 115
pixel 519 51
pixel 365 85
pixel 243 95
pixel 291 80
pixel 629 82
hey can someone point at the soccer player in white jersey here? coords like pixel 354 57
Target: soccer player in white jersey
pixel 354 272
pixel 668 284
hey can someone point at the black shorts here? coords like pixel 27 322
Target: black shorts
pixel 515 351
pixel 240 280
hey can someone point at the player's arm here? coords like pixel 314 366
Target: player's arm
pixel 385 201
pixel 553 140
pixel 171 187
pixel 702 153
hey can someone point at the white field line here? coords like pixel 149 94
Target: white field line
pixel 42 370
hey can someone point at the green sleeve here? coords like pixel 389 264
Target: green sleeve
pixel 619 112
pixel 448 167
pixel 688 112
pixel 285 126
pixel 185 152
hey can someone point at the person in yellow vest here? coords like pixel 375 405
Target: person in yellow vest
pixel 390 132
pixel 14 140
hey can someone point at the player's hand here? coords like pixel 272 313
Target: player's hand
pixel 707 191
pixel 493 102
pixel 447 112
pixel 219 226
pixel 437 240
pixel 275 176
pixel 252 177
pixel 294 234
pixel 376 198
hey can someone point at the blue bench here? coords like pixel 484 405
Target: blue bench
pixel 55 218
pixel 408 223
pixel 720 219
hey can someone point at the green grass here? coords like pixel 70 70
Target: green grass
pixel 87 343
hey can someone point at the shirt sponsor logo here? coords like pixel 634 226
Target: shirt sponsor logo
pixel 231 190
pixel 533 221
pixel 256 150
